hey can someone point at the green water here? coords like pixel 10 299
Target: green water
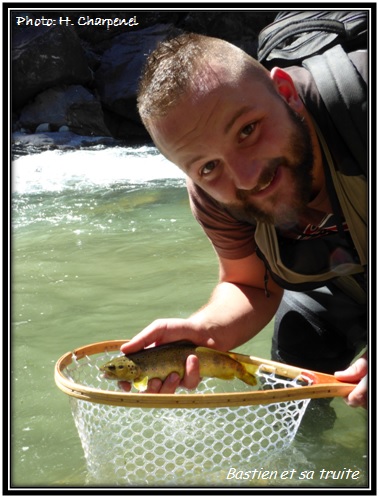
pixel 93 261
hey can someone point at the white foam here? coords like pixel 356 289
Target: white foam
pixel 54 171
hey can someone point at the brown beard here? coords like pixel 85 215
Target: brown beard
pixel 300 167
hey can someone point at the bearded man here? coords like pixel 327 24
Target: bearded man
pixel 267 182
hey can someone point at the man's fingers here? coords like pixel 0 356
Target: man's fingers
pixel 357 372
pixel 147 337
pixel 169 385
pixel 358 397
pixel 192 372
pixel 125 386
pixel 190 380
pixel 161 331
pixel 354 373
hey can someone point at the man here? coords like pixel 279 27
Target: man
pixel 263 184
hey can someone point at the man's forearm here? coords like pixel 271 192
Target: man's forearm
pixel 235 314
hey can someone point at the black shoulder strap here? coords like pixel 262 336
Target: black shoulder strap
pixel 344 94
pixel 297 35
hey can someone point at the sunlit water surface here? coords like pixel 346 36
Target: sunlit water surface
pixel 103 242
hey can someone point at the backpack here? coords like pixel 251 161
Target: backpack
pixel 320 41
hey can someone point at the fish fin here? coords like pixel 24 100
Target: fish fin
pixel 141 385
pixel 203 349
pixel 248 375
pixel 252 369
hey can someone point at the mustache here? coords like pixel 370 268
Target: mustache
pixel 264 178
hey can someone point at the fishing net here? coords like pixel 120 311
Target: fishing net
pixel 127 444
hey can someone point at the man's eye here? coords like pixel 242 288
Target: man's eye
pixel 247 130
pixel 208 168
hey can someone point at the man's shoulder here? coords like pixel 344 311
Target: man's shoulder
pixel 338 103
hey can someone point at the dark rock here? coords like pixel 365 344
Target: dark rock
pixel 126 129
pixel 86 118
pixel 43 127
pixel 121 65
pixel 73 106
pixel 117 79
pixel 239 28
pixel 43 58
pixel 64 140
pixel 107 62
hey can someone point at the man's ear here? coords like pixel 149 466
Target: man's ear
pixel 286 88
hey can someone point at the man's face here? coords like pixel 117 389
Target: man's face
pixel 244 145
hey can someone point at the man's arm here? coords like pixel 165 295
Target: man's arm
pixel 237 310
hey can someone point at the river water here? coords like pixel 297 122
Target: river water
pixel 103 242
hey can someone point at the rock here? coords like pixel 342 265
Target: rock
pixel 73 106
pixel 239 28
pixel 105 62
pixel 46 57
pixel 118 74
pixel 64 140
pixel 43 127
pixel 86 118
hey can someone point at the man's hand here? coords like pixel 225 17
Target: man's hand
pixel 190 380
pixel 357 372
pixel 165 331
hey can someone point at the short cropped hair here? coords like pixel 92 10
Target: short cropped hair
pixel 176 66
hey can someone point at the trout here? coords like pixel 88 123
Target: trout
pixel 159 362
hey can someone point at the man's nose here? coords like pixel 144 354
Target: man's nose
pixel 244 171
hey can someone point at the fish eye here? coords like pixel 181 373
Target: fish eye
pixel 120 366
pixel 112 367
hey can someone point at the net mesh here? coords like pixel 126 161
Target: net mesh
pixel 177 446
